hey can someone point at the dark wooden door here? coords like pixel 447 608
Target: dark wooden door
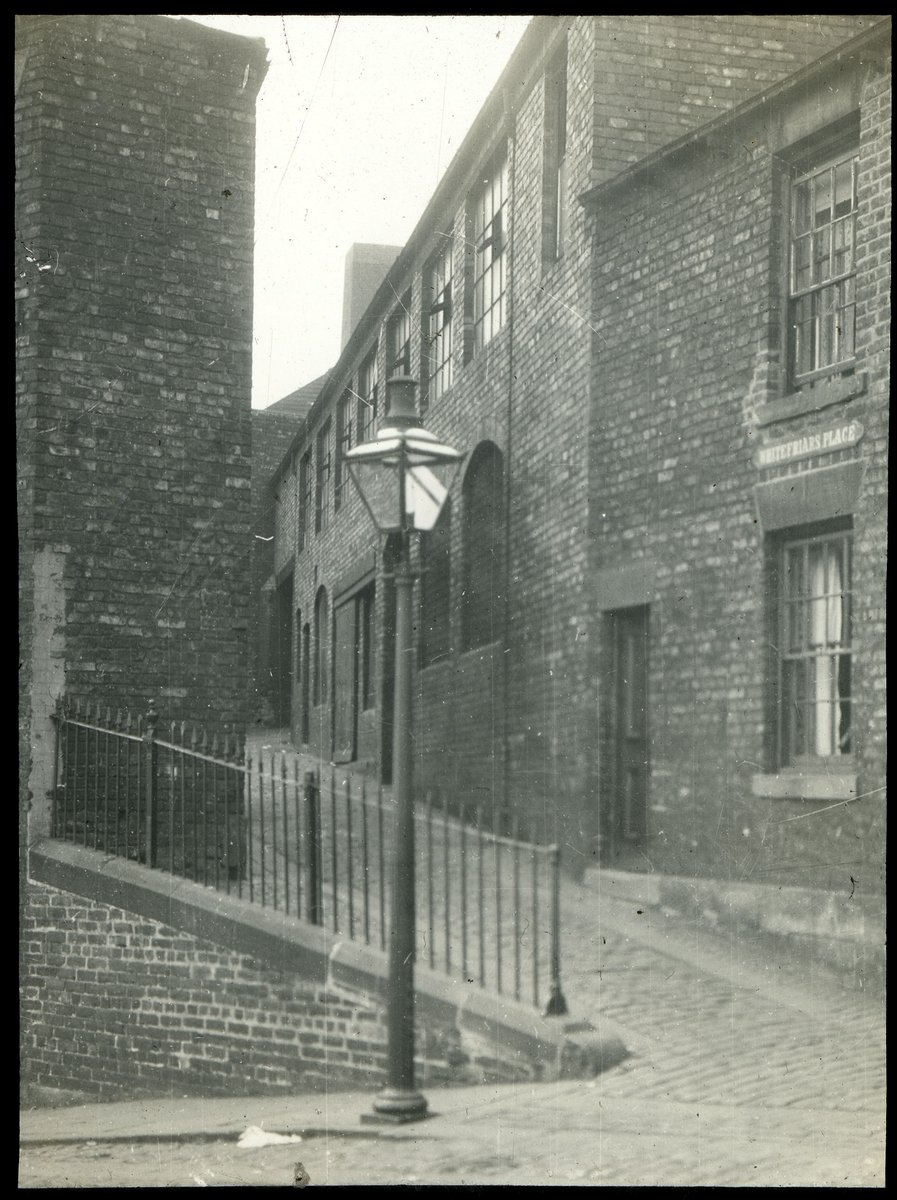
pixel 283 650
pixel 305 685
pixel 345 682
pixel 388 690
pixel 628 817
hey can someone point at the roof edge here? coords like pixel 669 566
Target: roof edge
pixel 491 115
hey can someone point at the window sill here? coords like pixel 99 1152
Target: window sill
pixel 806 785
pixel 836 389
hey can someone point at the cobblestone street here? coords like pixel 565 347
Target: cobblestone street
pixel 744 1069
pixel 713 1021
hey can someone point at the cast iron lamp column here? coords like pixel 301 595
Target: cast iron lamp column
pixel 403 476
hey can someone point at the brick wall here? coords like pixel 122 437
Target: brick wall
pixel 688 280
pixel 116 1004
pixel 134 201
pixel 658 77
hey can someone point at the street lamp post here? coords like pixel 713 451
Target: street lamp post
pixel 403 476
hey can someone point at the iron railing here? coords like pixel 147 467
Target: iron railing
pixel 259 826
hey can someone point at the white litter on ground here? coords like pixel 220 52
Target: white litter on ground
pixel 255 1136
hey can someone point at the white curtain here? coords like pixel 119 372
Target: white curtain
pixel 825 633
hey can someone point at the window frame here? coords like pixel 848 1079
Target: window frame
pixel 820 156
pixel 368 384
pixel 437 341
pixel 323 475
pixel 488 210
pixel 805 603
pixel 305 498
pixel 398 339
pixel 346 408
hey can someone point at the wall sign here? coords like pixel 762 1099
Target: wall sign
pixel 822 441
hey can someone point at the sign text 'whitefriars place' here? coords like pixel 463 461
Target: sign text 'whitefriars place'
pixel 822 441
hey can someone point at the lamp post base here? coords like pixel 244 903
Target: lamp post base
pixel 396 1106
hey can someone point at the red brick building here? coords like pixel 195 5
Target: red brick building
pixel 135 144
pixel 650 300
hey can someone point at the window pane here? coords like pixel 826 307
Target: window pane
pixel 793 714
pixel 846 324
pixel 842 234
pixel 826 326
pixel 844 188
pixel 800 208
pixel 822 198
pixel 795 624
pixel 821 255
pixel 805 334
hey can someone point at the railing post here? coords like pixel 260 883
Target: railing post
pixel 557 1005
pixel 151 782
pixel 312 796
pixel 56 716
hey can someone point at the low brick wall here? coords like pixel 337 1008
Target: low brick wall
pixel 115 1002
pixel 136 983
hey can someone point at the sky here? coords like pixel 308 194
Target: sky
pixel 357 120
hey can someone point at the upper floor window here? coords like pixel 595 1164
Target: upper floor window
pixel 483 547
pixel 367 398
pixel 814 637
pixel 488 268
pixel 822 266
pixel 345 421
pixel 304 497
pixel 322 488
pixel 437 356
pixel 398 339
pixel 554 167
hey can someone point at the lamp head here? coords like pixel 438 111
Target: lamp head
pixel 405 473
